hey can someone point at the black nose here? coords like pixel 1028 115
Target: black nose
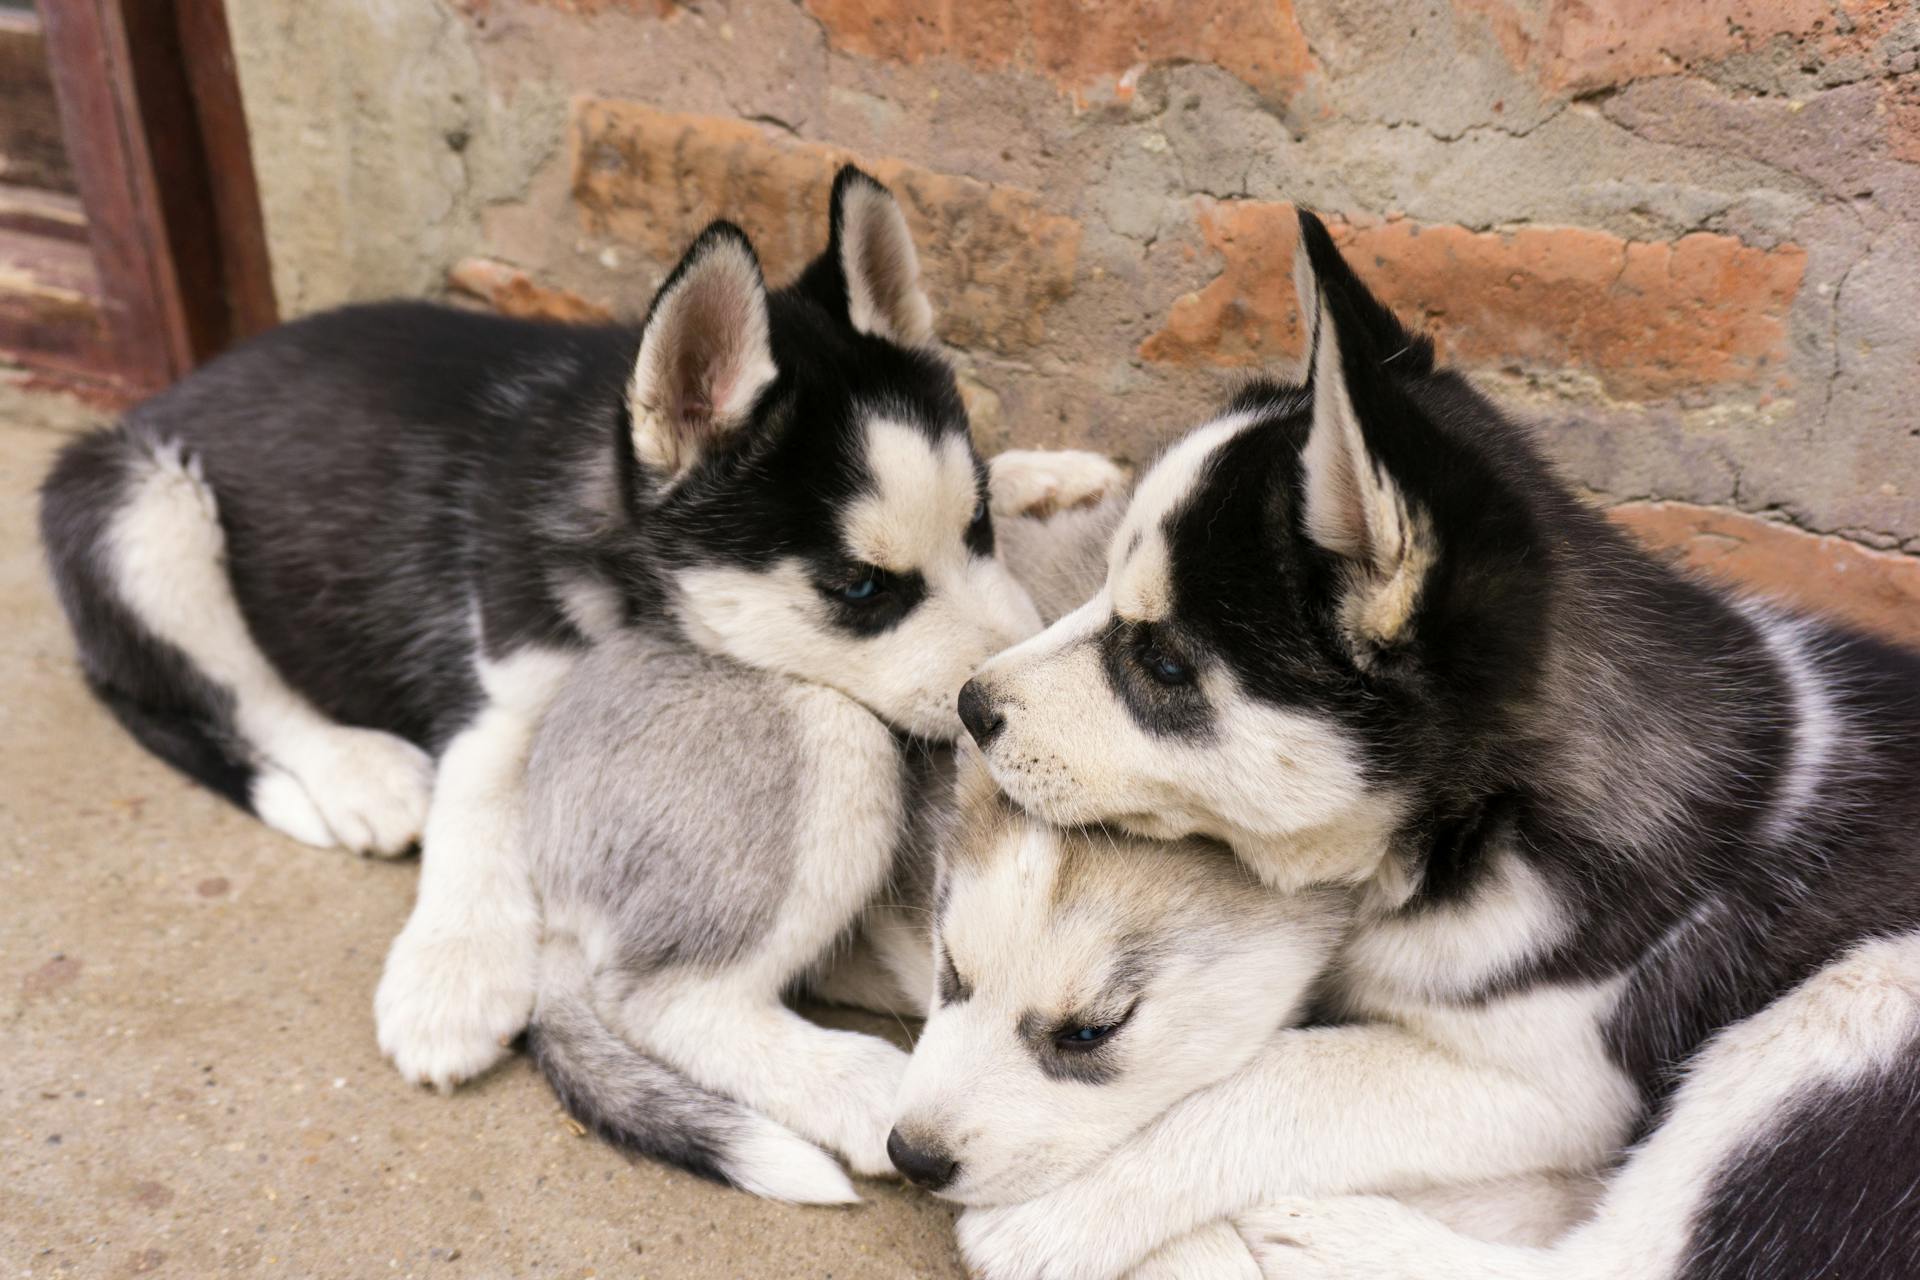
pixel 978 714
pixel 930 1169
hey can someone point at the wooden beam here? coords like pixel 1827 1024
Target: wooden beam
pixel 157 140
pixel 31 153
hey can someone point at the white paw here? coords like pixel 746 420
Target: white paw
pixel 1036 483
pixel 450 1003
pixel 358 788
pixel 871 1088
pixel 772 1161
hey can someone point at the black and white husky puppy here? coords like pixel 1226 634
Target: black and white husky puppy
pixel 1638 862
pixel 705 837
pixel 337 575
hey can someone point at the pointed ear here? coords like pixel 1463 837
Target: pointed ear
pixel 705 353
pixel 869 242
pixel 1353 505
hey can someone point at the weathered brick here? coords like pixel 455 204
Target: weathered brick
pixel 1646 319
pixel 1900 99
pixel 995 259
pixel 1080 46
pixel 512 292
pixel 1577 44
pixel 483 9
pixel 1878 591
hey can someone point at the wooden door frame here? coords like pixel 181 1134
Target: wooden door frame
pixel 156 136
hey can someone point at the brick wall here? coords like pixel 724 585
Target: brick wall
pixel 1684 239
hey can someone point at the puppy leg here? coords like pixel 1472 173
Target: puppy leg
pixel 163 559
pixel 1327 1110
pixel 1214 1252
pixel 459 979
pixel 1784 1156
pixel 834 1088
pixel 725 1026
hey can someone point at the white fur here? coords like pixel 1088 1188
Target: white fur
pixel 773 1162
pixel 1072 752
pixel 915 520
pixel 1852 1018
pixel 458 983
pixel 1034 484
pixel 974 1087
pixel 726 1027
pixel 877 257
pixel 704 360
pixel 1324 1111
pixel 1452 949
pixel 321 783
pixel 1817 722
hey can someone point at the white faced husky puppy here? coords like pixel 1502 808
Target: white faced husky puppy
pixel 337 575
pixel 701 836
pixel 1638 868
pixel 1088 980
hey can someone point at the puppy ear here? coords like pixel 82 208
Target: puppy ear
pixel 705 353
pixel 1353 505
pixel 871 250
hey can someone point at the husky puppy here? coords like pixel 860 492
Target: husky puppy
pixel 1636 861
pixel 1088 980
pixel 338 574
pixel 702 834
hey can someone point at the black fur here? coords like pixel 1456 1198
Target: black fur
pixel 1832 1191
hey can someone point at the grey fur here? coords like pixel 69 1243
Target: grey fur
pixel 669 793
pixel 688 744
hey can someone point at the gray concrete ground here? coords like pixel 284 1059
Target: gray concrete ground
pixel 189 1084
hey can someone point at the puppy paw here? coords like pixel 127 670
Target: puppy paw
pixel 871 1086
pixel 360 789
pixel 1036 483
pixel 450 1003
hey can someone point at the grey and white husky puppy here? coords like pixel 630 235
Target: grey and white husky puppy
pixel 338 574
pixel 1088 981
pixel 1638 862
pixel 705 837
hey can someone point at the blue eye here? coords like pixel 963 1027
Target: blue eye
pixel 1084 1037
pixel 865 589
pixel 1167 669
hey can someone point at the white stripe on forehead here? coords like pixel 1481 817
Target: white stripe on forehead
pixel 1139 567
pixel 923 498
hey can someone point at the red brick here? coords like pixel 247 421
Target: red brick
pixel 1076 44
pixel 512 292
pixel 1878 591
pixel 1646 319
pixel 995 259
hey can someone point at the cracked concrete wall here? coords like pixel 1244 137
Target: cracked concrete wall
pixel 1682 239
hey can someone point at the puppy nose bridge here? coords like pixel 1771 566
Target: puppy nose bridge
pixel 979 712
pixel 929 1167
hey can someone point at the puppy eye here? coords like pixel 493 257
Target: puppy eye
pixel 1078 1037
pixel 1166 668
pixel 869 586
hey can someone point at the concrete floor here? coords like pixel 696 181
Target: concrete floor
pixel 189 1084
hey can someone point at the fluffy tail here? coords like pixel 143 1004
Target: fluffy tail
pixel 644 1106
